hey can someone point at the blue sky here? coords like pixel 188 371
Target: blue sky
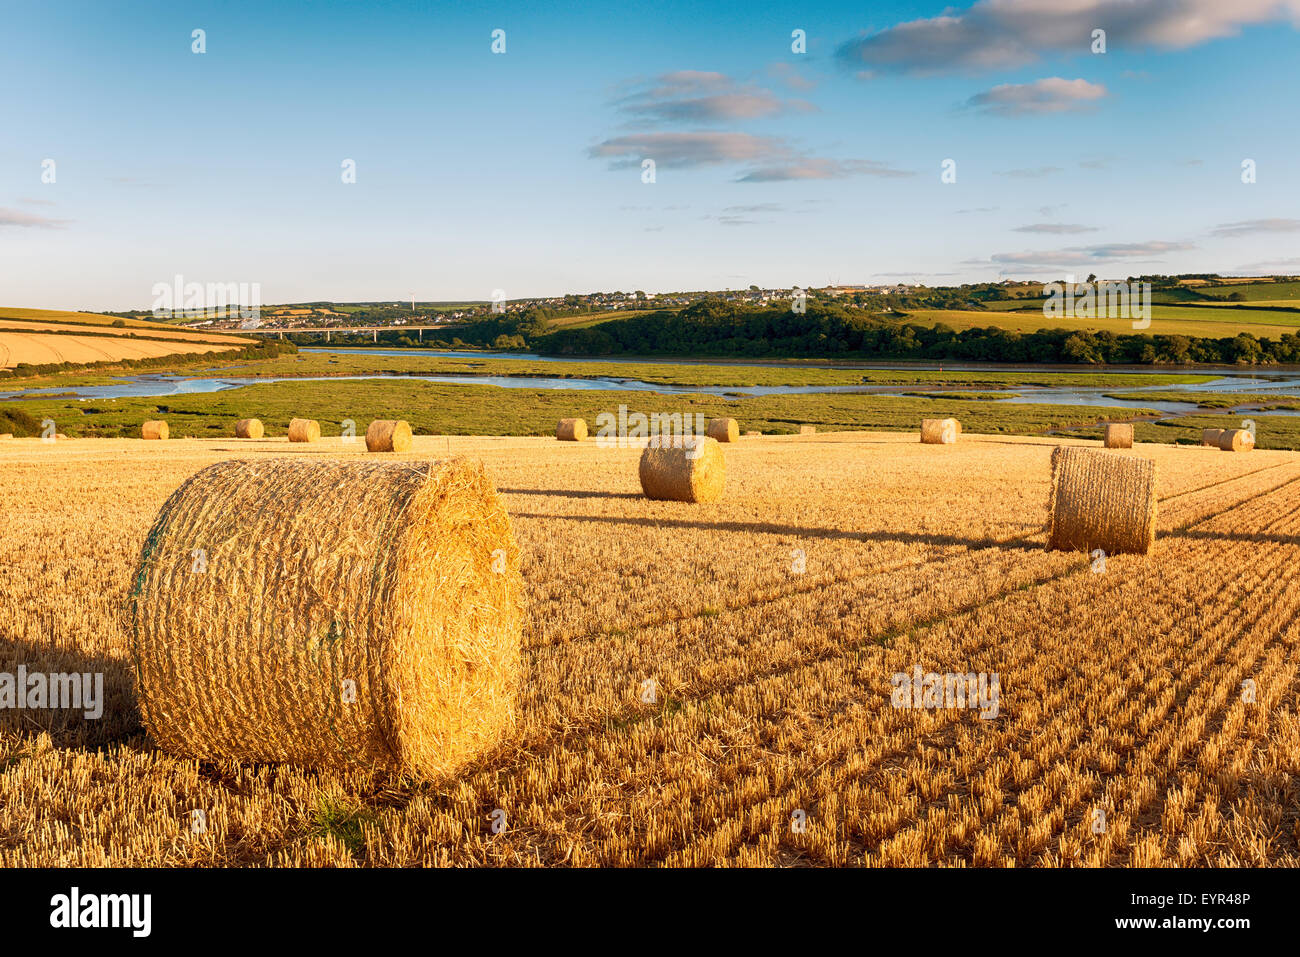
pixel 522 171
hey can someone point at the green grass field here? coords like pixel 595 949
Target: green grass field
pixel 490 410
pixel 666 373
pixel 487 410
pixel 1179 320
pixel 1256 291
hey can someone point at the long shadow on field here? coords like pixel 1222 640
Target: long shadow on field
pixel 569 493
pixel 112 694
pixel 766 528
pixel 1257 538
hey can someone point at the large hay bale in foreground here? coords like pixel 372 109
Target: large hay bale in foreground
pixel 388 435
pixel 724 430
pixel 1101 500
pixel 343 614
pixel 249 429
pixel 154 429
pixel 1211 437
pixel 1119 435
pixel 1237 440
pixel 304 430
pixel 571 430
pixel 684 469
pixel 940 431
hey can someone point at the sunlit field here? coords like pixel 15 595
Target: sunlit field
pixel 711 684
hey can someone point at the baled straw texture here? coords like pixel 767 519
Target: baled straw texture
pixel 571 430
pixel 807 430
pixel 1236 440
pixel 684 469
pixel 249 429
pixel 347 614
pixel 1119 435
pixel 388 435
pixel 724 430
pixel 1211 437
pixel 940 431
pixel 304 430
pixel 154 429
pixel 1101 500
pixel 6 435
pixel 753 433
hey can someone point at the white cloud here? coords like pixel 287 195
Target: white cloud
pixel 1052 94
pixel 996 34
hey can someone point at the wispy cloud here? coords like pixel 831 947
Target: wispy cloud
pixel 821 168
pixel 789 75
pixel 27 201
pixel 1030 173
pixel 997 34
pixel 1055 228
pixel 1090 255
pixel 688 150
pixel 764 159
pixel 1251 227
pixel 1052 94
pixel 699 97
pixel 16 217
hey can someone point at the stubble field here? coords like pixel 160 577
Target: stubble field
pixel 1161 692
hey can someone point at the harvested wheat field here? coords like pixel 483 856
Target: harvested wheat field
pixel 695 675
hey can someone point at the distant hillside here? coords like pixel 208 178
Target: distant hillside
pixel 49 339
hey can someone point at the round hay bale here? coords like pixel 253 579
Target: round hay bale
pixel 1119 435
pixel 571 430
pixel 1101 500
pixel 807 430
pixel 304 430
pixel 344 614
pixel 388 435
pixel 724 430
pixel 1236 440
pixel 154 429
pixel 940 431
pixel 1211 437
pixel 684 469
pixel 249 429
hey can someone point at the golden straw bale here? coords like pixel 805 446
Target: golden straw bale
pixel 388 435
pixel 1237 440
pixel 330 614
pixel 724 430
pixel 940 431
pixel 304 430
pixel 1101 500
pixel 683 469
pixel 154 429
pixel 752 434
pixel 1211 437
pixel 6 435
pixel 807 430
pixel 571 430
pixel 249 429
pixel 1119 435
